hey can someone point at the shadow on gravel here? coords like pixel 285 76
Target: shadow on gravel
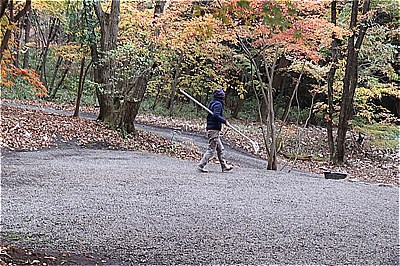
pixel 11 256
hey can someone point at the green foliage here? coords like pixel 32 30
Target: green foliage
pixel 82 22
pixel 68 93
pixel 274 17
pixel 365 99
pixel 377 74
pixel 387 12
pixel 378 55
pixel 181 110
pixel 132 61
pixel 243 4
pixel 200 76
pixel 295 115
pixel 249 110
pixel 194 71
pixel 311 70
pixel 383 135
pixel 20 90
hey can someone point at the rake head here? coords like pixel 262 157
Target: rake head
pixel 255 147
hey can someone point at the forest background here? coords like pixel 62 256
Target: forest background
pixel 312 81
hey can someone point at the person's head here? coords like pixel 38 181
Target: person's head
pixel 219 94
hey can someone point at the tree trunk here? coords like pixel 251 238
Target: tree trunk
pixel 12 19
pixel 330 80
pixel 80 88
pixel 237 109
pixel 4 43
pixel 156 98
pixel 178 67
pixel 27 24
pixel 3 6
pixel 53 78
pixel 54 26
pixel 263 109
pixel 108 41
pixel 267 93
pixel 289 105
pixel 272 162
pixel 54 92
pixel 19 42
pixel 350 79
pixel 119 110
pixel 161 6
pixel 122 114
pixel 239 103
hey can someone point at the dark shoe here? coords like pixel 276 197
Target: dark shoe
pixel 227 168
pixel 202 169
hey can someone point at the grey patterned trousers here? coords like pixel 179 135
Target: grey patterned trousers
pixel 214 144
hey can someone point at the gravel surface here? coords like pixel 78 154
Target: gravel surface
pixel 138 208
pixel 233 154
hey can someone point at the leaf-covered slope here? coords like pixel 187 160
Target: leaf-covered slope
pixel 24 129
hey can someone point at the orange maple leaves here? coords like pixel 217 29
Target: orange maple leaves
pixel 10 74
pixel 298 26
pixel 308 37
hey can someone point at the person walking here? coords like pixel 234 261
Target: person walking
pixel 214 126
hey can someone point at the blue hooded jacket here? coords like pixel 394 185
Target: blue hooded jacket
pixel 215 121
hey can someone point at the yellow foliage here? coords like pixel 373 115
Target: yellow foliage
pixel 71 52
pixel 134 22
pixel 12 26
pixel 170 29
pixel 51 7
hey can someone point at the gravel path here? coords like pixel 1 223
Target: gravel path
pixel 138 208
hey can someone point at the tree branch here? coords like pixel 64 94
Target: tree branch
pixel 363 27
pixel 99 10
pixel 3 6
pixel 23 11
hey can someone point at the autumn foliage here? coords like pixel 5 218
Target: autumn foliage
pixel 10 72
pixel 240 46
pixel 299 27
pixel 10 75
